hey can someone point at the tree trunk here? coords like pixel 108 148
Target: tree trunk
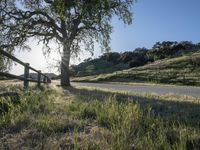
pixel 65 66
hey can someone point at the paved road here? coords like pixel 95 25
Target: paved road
pixel 158 89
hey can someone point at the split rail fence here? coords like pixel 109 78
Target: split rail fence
pixel 41 78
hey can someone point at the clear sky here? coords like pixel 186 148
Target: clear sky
pixel 153 20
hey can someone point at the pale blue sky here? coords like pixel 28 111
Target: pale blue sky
pixel 154 20
pixel 159 20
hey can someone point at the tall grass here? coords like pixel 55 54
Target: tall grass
pixel 131 128
pixel 50 119
pixel 31 103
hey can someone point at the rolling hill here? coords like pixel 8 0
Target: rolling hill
pixel 184 70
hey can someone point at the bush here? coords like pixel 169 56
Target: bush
pixel 126 57
pixel 135 63
pixel 111 57
pixel 138 61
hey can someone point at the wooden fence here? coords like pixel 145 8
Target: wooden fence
pixel 41 78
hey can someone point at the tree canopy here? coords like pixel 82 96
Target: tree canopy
pixel 73 24
pixel 161 50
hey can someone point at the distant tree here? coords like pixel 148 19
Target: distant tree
pixel 198 46
pixel 166 49
pixel 139 57
pixel 156 52
pixel 112 57
pixel 141 51
pixel 69 23
pixel 135 63
pixel 187 45
pixel 126 57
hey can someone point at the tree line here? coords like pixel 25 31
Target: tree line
pixel 160 50
pixel 141 56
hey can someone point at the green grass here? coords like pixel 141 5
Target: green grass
pixel 74 118
pixel 183 70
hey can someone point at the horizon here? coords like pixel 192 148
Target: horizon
pixel 154 21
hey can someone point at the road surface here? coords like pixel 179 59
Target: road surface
pixel 158 89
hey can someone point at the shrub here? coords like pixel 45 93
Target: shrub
pixel 126 57
pixel 137 62
pixel 111 57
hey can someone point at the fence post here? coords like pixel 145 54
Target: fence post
pixel 44 79
pixel 26 75
pixel 39 77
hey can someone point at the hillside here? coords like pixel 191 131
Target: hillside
pixel 98 66
pixel 114 61
pixel 184 70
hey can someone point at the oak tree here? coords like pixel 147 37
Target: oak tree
pixel 74 25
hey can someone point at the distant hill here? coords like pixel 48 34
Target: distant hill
pixel 113 61
pixel 183 70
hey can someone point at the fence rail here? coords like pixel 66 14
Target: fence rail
pixel 41 78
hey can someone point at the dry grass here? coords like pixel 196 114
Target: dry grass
pixel 79 118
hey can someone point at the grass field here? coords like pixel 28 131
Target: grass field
pixel 78 118
pixel 183 70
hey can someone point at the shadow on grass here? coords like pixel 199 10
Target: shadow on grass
pixel 184 113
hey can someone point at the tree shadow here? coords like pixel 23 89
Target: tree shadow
pixel 185 113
